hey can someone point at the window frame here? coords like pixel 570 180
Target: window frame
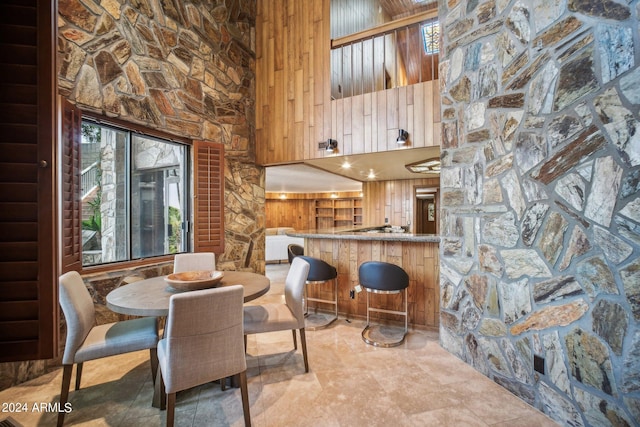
pixel 69 142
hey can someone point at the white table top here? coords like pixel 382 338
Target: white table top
pixel 150 297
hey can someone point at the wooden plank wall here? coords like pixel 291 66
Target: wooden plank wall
pixel 419 260
pixel 369 123
pixel 393 200
pixel 296 213
pixel 297 210
pixel 293 108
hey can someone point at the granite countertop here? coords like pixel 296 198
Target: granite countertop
pixel 364 233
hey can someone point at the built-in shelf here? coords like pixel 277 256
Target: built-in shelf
pixel 338 212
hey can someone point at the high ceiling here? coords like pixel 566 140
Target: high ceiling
pixel 328 174
pixel 401 8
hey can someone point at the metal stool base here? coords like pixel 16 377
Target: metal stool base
pixel 311 326
pixel 315 321
pixel 376 335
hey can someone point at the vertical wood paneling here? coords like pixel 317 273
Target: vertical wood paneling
pixel 294 110
pixel 293 85
pixel 392 199
pixel 419 260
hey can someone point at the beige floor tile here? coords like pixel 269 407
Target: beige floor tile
pixel 350 383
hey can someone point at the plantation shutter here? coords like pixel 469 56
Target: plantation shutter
pixel 208 197
pixel 28 297
pixel 71 233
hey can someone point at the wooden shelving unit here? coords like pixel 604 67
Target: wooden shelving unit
pixel 338 212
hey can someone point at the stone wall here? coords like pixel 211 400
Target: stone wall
pixel 540 201
pixel 188 68
pixel 185 67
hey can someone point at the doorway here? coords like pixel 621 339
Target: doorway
pixel 426 205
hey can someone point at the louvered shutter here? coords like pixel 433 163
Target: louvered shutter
pixel 71 233
pixel 28 297
pixel 208 197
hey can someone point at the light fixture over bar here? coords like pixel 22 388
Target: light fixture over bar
pixel 425 166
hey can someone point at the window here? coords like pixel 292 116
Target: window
pixel 134 195
pixel 431 37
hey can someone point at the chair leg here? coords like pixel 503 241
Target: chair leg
pixel 78 375
pixel 295 340
pixel 162 393
pixel 303 341
pixel 64 391
pixel 245 398
pixel 153 358
pixel 171 409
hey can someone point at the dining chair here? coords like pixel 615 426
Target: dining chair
pixel 282 316
pixel 194 261
pixel 203 342
pixel 85 341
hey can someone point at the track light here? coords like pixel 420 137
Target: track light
pixel 402 137
pixel 332 145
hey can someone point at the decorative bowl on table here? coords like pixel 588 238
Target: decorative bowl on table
pixel 194 280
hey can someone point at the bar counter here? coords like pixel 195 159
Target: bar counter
pixel 347 248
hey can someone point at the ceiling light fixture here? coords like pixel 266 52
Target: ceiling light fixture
pixel 332 145
pixel 371 174
pixel 402 137
pixel 425 166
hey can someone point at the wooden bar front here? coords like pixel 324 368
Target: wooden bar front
pixel 418 259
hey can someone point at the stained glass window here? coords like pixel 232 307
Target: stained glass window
pixel 431 37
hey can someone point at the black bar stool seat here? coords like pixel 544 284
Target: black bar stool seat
pixel 383 278
pixel 319 273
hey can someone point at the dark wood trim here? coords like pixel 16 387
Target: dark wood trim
pixel 130 126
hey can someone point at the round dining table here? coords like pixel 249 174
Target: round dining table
pixel 150 297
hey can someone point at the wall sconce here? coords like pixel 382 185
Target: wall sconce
pixel 402 137
pixel 332 145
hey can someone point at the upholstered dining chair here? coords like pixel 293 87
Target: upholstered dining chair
pixel 194 261
pixel 283 316
pixel 85 341
pixel 203 342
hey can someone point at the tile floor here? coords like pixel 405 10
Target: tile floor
pixel 350 383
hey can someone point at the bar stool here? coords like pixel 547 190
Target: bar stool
pixel 293 251
pixel 383 278
pixel 321 272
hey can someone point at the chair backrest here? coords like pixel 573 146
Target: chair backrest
pixel 205 337
pixel 194 261
pixel 319 270
pixel 79 312
pixel 293 251
pixel 382 276
pixel 294 288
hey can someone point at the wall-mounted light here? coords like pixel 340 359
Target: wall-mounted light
pixel 332 145
pixel 402 137
pixel 283 196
